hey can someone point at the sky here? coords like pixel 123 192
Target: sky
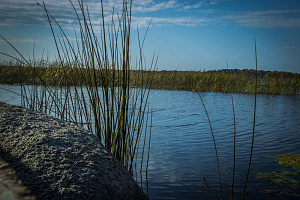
pixel 185 34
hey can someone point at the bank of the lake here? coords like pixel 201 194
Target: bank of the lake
pixel 229 81
pixel 225 81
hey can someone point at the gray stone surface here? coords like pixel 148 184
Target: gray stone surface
pixel 59 160
pixel 10 187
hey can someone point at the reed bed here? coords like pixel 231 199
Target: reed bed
pixel 225 81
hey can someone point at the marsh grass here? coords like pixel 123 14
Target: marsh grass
pixel 225 81
pixel 90 84
pixel 229 80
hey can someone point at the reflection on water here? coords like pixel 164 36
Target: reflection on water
pixel 182 150
pixel 10 97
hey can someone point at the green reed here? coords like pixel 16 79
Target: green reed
pixel 90 83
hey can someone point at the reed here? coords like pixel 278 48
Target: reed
pixel 90 84
pixel 253 129
pixel 216 150
pixel 234 141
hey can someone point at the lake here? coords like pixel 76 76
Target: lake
pixel 182 150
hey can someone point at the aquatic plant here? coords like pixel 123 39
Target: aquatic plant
pixel 286 180
pixel 90 83
pixel 289 160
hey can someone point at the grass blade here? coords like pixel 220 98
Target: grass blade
pixel 253 133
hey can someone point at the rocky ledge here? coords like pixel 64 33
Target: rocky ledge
pixel 59 160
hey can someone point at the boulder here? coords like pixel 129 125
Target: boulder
pixel 60 160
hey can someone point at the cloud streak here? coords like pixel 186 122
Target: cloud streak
pixel 265 19
pixel 195 6
pixel 20 40
pixel 152 6
pixel 168 21
pixel 26 12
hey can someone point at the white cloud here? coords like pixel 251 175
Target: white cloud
pixel 197 5
pixel 151 6
pixel 291 48
pixel 143 2
pixel 265 19
pixel 26 12
pixel 200 4
pixel 21 40
pixel 168 21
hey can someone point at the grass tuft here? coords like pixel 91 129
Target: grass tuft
pixel 90 83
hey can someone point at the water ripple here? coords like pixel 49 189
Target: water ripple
pixel 182 149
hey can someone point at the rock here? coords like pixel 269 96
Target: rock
pixel 60 160
pixel 10 187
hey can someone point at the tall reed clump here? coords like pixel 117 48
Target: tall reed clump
pixel 102 98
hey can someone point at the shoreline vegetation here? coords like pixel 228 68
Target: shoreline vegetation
pixel 224 81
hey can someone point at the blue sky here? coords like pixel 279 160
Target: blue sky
pixel 187 34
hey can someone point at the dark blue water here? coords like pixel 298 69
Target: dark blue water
pixel 182 150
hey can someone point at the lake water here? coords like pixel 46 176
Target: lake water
pixel 182 150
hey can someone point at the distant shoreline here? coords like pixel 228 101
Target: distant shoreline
pixel 229 81
pixel 224 81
